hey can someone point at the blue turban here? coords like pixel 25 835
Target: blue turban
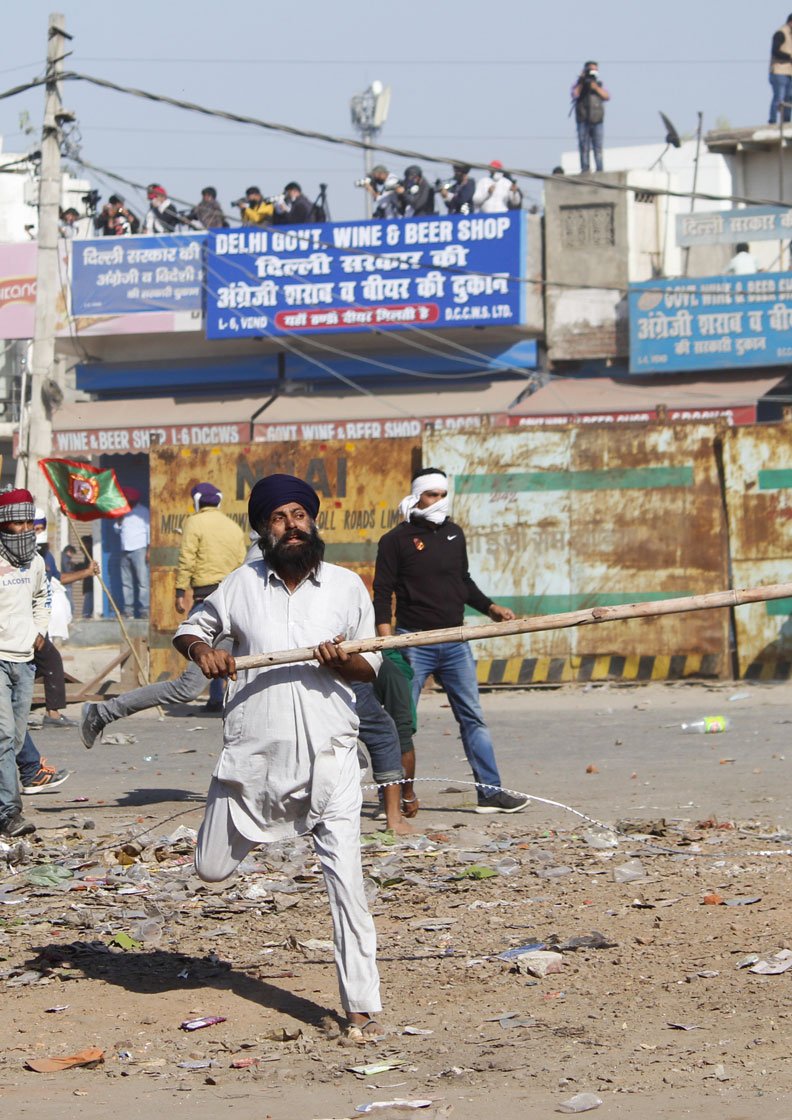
pixel 278 490
pixel 205 494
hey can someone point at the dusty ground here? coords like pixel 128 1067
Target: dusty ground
pixel 609 1022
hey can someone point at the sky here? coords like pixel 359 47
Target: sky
pixel 468 80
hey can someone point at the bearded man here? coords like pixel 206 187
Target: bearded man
pixel 289 764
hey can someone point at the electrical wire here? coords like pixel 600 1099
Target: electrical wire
pixel 434 61
pixel 405 153
pixel 33 84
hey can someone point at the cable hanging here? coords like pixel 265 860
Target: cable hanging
pixel 405 153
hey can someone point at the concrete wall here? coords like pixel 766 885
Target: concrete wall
pixel 586 260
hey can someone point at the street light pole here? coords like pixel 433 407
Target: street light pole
pixel 37 435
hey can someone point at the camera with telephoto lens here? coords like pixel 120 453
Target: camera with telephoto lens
pixel 445 184
pixel 363 182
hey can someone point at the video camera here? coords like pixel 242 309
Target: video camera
pixel 91 201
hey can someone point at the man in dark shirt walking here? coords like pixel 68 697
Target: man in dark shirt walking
pixel 423 561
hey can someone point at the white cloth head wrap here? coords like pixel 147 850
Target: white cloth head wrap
pixel 436 513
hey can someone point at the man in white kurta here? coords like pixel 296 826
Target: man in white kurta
pixel 289 763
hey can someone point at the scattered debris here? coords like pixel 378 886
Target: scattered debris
pixel 89 1057
pixel 199 1024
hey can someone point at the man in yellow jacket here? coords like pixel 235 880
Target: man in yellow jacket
pixel 212 547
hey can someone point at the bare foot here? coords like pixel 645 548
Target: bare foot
pixel 400 826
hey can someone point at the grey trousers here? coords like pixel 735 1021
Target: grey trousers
pixel 336 840
pixel 178 690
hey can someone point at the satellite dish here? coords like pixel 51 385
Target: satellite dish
pixel 672 136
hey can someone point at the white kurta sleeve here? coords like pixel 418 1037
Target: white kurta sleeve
pixel 209 622
pixel 361 623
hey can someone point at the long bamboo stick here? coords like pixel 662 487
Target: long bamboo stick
pixel 734 598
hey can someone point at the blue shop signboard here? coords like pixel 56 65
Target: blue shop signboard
pixel 118 275
pixel 454 271
pixel 711 322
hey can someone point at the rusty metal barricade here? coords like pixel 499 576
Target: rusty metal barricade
pixel 360 484
pixel 574 517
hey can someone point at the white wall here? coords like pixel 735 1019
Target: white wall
pixel 19 195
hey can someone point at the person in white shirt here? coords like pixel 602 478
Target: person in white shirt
pixel 496 192
pixel 743 263
pixel 289 764
pixel 135 532
pixel 24 618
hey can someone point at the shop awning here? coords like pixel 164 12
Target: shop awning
pixel 89 428
pixel 567 400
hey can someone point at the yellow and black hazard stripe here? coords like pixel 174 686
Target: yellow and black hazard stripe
pixel 774 669
pixel 597 667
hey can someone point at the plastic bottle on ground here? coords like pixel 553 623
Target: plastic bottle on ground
pixel 707 725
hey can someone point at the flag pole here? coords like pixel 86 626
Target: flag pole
pixel 52 470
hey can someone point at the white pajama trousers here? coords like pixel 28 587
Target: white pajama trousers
pixel 336 839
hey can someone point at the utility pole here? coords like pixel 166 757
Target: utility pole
pixel 699 131
pixel 36 442
pixel 369 112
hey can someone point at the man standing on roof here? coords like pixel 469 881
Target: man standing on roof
pixel 781 72
pixel 423 562
pixel 588 99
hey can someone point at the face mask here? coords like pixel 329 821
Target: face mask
pixel 436 513
pixel 18 548
pixel 497 175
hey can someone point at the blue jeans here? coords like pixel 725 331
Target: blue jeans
pixel 590 139
pixel 781 85
pixel 135 582
pixel 16 693
pixel 28 760
pixel 452 666
pixel 378 734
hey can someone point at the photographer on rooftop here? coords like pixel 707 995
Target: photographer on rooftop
pixel 588 98
pixel 458 193
pixel 381 184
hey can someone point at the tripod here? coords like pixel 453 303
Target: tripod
pixel 321 206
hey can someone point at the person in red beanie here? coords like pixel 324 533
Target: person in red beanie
pixel 496 192
pixel 24 618
pixel 161 216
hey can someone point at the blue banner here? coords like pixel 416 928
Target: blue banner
pixel 711 322
pixel 455 271
pixel 118 275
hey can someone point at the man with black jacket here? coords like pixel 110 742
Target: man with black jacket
pixel 295 209
pixel 458 196
pixel 423 561
pixel 589 96
pixel 415 195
